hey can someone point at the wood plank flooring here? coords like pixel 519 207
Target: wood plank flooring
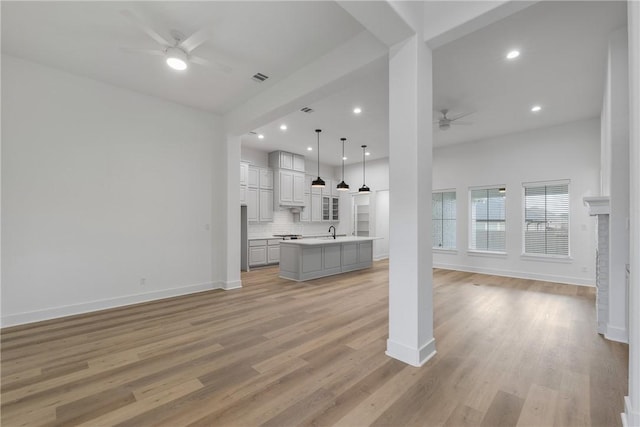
pixel 511 352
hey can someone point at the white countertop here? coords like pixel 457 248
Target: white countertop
pixel 304 236
pixel 328 240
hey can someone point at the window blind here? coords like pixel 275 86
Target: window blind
pixel 488 226
pixel 443 219
pixel 546 219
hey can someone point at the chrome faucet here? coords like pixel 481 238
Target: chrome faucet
pixel 334 231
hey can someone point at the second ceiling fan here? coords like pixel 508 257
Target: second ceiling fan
pixel 445 122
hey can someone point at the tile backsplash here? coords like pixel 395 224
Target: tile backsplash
pixel 285 223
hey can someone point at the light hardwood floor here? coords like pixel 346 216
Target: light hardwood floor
pixel 280 353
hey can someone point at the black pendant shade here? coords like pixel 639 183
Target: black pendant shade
pixel 318 182
pixel 364 189
pixel 343 186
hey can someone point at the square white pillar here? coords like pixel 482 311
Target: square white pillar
pixel 631 416
pixel 229 260
pixel 410 156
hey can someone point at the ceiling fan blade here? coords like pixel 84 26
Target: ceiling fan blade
pixel 145 27
pixel 156 52
pixel 214 64
pixel 459 116
pixel 195 39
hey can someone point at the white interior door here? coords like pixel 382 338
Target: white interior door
pixel 381 246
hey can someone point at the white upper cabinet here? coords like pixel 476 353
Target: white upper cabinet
pixel 253 177
pixel 286 187
pixel 244 172
pixel 266 205
pixel 286 160
pixel 316 207
pixel 266 179
pixel 298 188
pixel 253 204
pixel 328 185
pixel 289 189
pixel 298 163
pixel 258 193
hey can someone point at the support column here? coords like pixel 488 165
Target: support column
pixel 410 155
pixel 230 258
pixel 631 416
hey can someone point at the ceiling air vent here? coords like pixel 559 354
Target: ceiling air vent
pixel 252 133
pixel 306 110
pixel 259 77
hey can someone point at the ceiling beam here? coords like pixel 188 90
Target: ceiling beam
pixel 315 81
pixel 381 19
pixel 446 21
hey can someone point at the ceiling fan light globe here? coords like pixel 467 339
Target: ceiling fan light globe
pixel 176 59
pixel 445 126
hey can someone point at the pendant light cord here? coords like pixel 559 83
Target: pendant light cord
pixel 343 159
pixel 318 133
pixel 363 180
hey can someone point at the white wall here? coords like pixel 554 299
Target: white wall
pixel 102 187
pixel 570 151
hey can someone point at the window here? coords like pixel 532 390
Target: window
pixel 443 219
pixel 546 219
pixel 488 220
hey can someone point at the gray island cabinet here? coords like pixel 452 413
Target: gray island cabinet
pixel 306 259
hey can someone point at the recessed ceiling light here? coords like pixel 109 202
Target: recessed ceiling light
pixel 367 153
pixel 283 127
pixel 357 110
pixel 344 158
pixel 260 136
pixel 309 148
pixel 536 108
pixel 513 54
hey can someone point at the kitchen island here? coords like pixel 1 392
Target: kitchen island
pixel 306 259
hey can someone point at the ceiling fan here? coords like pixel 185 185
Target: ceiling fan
pixel 178 51
pixel 445 122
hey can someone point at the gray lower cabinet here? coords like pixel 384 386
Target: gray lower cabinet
pixel 323 257
pixel 264 252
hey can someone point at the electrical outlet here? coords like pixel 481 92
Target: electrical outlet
pixel 584 269
pixel 143 281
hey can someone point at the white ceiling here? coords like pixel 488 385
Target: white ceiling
pixel 86 37
pixel 562 64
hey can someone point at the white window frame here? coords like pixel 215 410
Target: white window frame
pixel 455 248
pixel 549 257
pixel 473 251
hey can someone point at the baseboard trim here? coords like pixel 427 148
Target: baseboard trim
pixel 613 333
pixel 235 284
pixel 412 356
pixel 88 307
pixel 518 274
pixel 630 418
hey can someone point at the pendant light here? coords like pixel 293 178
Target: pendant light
pixel 364 189
pixel 319 182
pixel 343 186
